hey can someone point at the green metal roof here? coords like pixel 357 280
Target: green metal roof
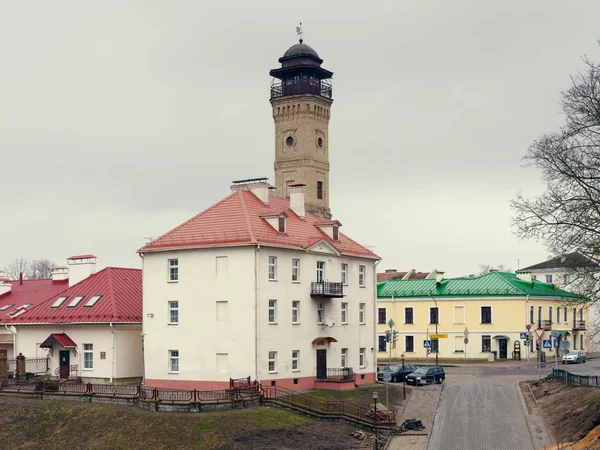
pixel 493 284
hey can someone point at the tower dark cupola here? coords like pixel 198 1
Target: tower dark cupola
pixel 301 97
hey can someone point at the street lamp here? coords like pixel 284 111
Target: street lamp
pixel 437 319
pixel 375 417
pixel 403 378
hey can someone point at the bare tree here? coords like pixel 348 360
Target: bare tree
pixel 16 267
pixel 485 268
pixel 40 269
pixel 566 217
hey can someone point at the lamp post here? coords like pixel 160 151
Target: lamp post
pixel 375 418
pixel 437 319
pixel 403 378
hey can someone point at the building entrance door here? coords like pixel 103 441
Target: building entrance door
pixel 503 348
pixel 321 364
pixel 65 363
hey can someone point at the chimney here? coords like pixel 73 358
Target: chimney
pixel 296 192
pixel 80 267
pixel 21 278
pixel 60 273
pixel 439 276
pixel 258 186
pixel 524 276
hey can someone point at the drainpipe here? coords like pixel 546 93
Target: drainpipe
pixel 256 314
pixel 12 330
pixel 112 369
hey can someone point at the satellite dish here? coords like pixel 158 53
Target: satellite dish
pixel 330 321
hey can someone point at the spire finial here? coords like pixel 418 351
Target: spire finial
pixel 299 32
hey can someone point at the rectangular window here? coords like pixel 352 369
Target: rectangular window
pixel 174 312
pixel 281 223
pixel 222 362
pixel 459 314
pixel 174 269
pixel 221 266
pixel 344 274
pixel 534 277
pixel 550 313
pixel 344 313
pixel 344 360
pixel 222 311
pixel 566 314
pixel 361 313
pixel 435 346
pixel 486 314
pixel 320 271
pixel 433 315
pixel 381 315
pixel 361 276
pixel 409 343
pixel 295 270
pixel 295 311
pixel 272 362
pixel 174 361
pixel 320 190
pixel 272 267
pixel 574 316
pixel 92 301
pixel 558 314
pixel 574 342
pixel 581 341
pixel 531 315
pixel 272 311
pixel 336 233
pixel 88 356
pixel 320 312
pixel 581 314
pixel 295 360
pixel 408 315
pixel 382 347
pixel 59 301
pixel 486 343
pixel 75 301
pixel 539 315
pixel 548 278
pixel 361 357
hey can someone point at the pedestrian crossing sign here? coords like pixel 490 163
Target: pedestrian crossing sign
pixel 427 343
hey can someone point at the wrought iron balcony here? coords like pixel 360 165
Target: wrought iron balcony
pixel 302 86
pixel 579 325
pixel 326 289
pixel 547 325
pixel 339 375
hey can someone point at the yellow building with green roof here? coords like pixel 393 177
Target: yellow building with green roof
pixel 493 311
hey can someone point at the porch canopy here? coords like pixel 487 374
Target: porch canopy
pixel 323 340
pixel 58 338
pixel 501 336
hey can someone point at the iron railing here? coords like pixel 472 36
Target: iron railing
pixel 571 378
pixel 579 325
pixel 314 86
pixel 326 289
pixel 339 375
pixel 546 325
pixel 32 365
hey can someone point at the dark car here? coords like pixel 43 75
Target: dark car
pixel 426 375
pixel 396 372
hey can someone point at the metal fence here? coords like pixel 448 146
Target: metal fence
pixel 32 365
pixel 580 380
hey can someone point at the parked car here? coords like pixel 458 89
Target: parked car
pixel 426 375
pixel 573 356
pixel 396 372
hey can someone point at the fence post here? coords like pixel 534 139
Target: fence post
pixel 195 396
pixel 155 394
pixel 3 369
pixel 20 368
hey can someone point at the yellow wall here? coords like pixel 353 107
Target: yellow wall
pixel 509 318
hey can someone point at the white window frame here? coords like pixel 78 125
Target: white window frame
pixel 413 312
pixel 73 303
pixel 549 278
pixel 59 301
pixel 295 270
pixel 344 313
pixel 272 312
pixel 429 322
pixel 92 301
pixel 362 308
pixel 344 358
pixel 378 308
pixel 532 314
pixel 362 357
pixel 88 350
pixel 281 221
pixel 491 322
pixel 566 314
pixel 173 306
pixel 295 312
pixel 406 350
pixel 295 360
pixel 362 276
pixel 320 311
pixel 272 362
pixel 173 360
pixel 320 271
pixel 272 268
pixel 558 312
pixel 173 277
pixel 550 314
pixel 463 318
pixel 344 275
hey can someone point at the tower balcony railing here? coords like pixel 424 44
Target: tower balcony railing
pixel 326 289
pixel 302 86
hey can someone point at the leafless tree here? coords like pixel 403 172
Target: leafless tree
pixel 566 217
pixel 40 269
pixel 16 267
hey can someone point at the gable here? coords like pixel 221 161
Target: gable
pixel 323 247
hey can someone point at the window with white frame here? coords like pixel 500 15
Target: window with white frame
pixel 173 269
pixel 362 362
pixel 320 271
pixel 320 312
pixel 550 313
pixel 344 274
pixel 408 315
pixel 459 314
pixel 75 301
pixel 272 311
pixel 382 343
pixel 581 314
pixel 581 341
pixel 434 315
pixel 566 314
pixel 344 360
pixel 272 267
pixel 361 313
pixel 295 360
pixel 295 270
pixel 361 275
pixel 59 301
pixel 344 313
pixel 486 314
pixel 486 343
pixel 272 362
pixel 548 278
pixel 174 361
pixel 88 356
pixel 381 315
pixel 531 314
pixel 173 312
pixel 558 314
pixel 295 311
pixel 281 223
pixel 409 344
pixel 336 233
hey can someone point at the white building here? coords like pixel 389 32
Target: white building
pixel 256 286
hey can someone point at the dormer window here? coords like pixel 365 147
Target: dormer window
pixel 336 233
pixel 281 224
pixel 5 307
pixel 59 301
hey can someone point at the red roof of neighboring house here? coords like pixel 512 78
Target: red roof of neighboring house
pixel 120 292
pixel 236 220
pixel 31 292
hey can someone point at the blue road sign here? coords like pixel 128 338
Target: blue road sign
pixel 546 343
pixel 528 327
pixel 523 335
pixel 427 343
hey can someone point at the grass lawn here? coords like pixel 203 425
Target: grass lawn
pixel 363 395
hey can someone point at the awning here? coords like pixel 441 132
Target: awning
pixel 564 333
pixel 323 340
pixel 58 338
pixel 501 336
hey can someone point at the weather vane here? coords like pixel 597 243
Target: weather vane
pixel 299 31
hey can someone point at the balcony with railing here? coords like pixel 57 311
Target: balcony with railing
pixel 338 375
pixel 546 325
pixel 579 325
pixel 326 289
pixel 313 86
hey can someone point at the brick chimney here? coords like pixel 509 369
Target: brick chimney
pixel 80 267
pixel 297 200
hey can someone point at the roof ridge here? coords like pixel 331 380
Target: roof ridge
pixel 111 289
pixel 247 215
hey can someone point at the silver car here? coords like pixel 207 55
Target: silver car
pixel 573 356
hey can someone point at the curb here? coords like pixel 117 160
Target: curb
pixel 434 416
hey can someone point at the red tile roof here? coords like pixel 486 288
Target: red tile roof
pixel 31 292
pixel 236 220
pixel 120 301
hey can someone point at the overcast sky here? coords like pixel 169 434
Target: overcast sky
pixel 120 120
